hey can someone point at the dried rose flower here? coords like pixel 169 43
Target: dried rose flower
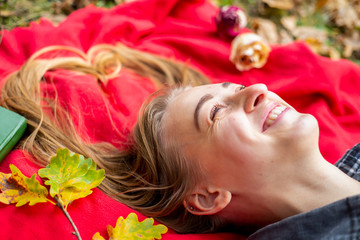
pixel 249 51
pixel 230 21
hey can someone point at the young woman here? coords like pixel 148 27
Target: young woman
pixel 258 162
pixel 201 158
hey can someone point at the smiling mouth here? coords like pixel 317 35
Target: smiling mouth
pixel 273 115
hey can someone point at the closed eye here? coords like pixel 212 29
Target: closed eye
pixel 241 87
pixel 217 107
pixel 215 110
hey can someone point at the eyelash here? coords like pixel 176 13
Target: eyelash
pixel 214 110
pixel 241 87
pixel 217 107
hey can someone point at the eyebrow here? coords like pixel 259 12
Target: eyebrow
pixel 201 102
pixel 225 84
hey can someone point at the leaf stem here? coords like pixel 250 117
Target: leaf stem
pixel 58 203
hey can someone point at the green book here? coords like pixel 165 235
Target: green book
pixel 12 127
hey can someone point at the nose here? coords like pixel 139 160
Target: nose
pixel 252 96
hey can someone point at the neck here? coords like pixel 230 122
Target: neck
pixel 315 187
pixel 306 187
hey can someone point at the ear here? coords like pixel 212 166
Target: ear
pixel 207 201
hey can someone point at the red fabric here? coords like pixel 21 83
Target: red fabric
pixel 184 30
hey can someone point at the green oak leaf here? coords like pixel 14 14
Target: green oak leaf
pixel 71 176
pixel 131 229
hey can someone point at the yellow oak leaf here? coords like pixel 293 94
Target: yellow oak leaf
pixel 19 189
pixel 131 229
pixel 97 236
pixel 71 176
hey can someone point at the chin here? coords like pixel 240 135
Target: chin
pixel 308 125
pixel 296 125
pixel 305 133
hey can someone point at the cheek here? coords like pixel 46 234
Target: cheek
pixel 235 154
pixel 236 131
pixel 239 170
pixel 238 144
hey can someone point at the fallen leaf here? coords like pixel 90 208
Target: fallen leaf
pixel 344 13
pixel 280 4
pixel 285 37
pixel 333 53
pixel 68 6
pixel 289 22
pixel 121 1
pixel 350 43
pixel 19 189
pixel 131 229
pixel 306 32
pixel 71 176
pixel 54 18
pixel 97 236
pixel 320 4
pixel 7 13
pixel 266 29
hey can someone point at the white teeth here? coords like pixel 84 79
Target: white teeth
pixel 273 115
pixel 270 121
pixel 277 111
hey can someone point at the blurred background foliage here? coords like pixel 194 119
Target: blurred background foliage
pixel 330 27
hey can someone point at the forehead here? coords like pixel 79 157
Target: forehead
pixel 186 102
pixel 178 121
pixel 194 94
pixel 179 116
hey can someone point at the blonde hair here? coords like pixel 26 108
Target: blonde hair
pixel 147 176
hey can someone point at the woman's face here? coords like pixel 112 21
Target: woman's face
pixel 245 139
